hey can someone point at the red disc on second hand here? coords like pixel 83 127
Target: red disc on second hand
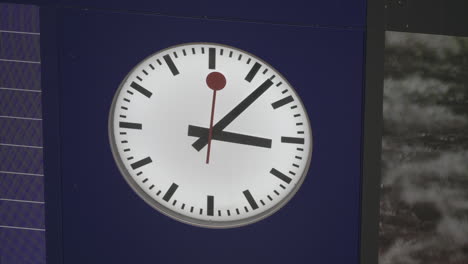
pixel 216 81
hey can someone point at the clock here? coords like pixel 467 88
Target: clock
pixel 210 135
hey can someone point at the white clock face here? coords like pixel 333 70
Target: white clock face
pixel 210 135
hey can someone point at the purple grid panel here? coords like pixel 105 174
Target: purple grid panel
pixel 20 104
pixel 19 245
pixel 28 215
pixel 22 246
pixel 19 46
pixel 21 159
pixel 20 131
pixel 22 18
pixel 21 187
pixel 16 75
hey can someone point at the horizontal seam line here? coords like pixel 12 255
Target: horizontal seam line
pixel 20 90
pixel 21 61
pixel 20 146
pixel 23 228
pixel 228 19
pixel 23 173
pixel 18 117
pixel 20 32
pixel 20 201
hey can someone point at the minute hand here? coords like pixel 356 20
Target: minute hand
pixel 235 112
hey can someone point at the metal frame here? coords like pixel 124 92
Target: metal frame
pixel 372 132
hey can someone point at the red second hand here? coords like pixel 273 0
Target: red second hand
pixel 215 81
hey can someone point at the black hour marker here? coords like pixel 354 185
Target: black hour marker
pixel 151 65
pixel 170 192
pixel 282 102
pixel 140 89
pixel 250 199
pixel 185 53
pixel 146 73
pixel 130 125
pixel 171 65
pixel 210 205
pixel 212 58
pixel 292 140
pixel 141 163
pixel 280 175
pixel 253 72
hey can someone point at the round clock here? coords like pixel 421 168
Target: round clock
pixel 210 135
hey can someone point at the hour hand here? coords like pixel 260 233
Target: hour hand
pixel 196 131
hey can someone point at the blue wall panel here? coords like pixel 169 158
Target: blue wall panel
pixel 103 220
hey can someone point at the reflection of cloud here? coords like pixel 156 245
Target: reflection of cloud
pixel 402 252
pixel 440 44
pixel 402 111
pixel 455 230
pixel 448 164
pixel 424 203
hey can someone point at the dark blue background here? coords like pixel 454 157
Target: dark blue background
pixel 105 222
pixel 329 13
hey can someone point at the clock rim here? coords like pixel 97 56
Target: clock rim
pixel 210 224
